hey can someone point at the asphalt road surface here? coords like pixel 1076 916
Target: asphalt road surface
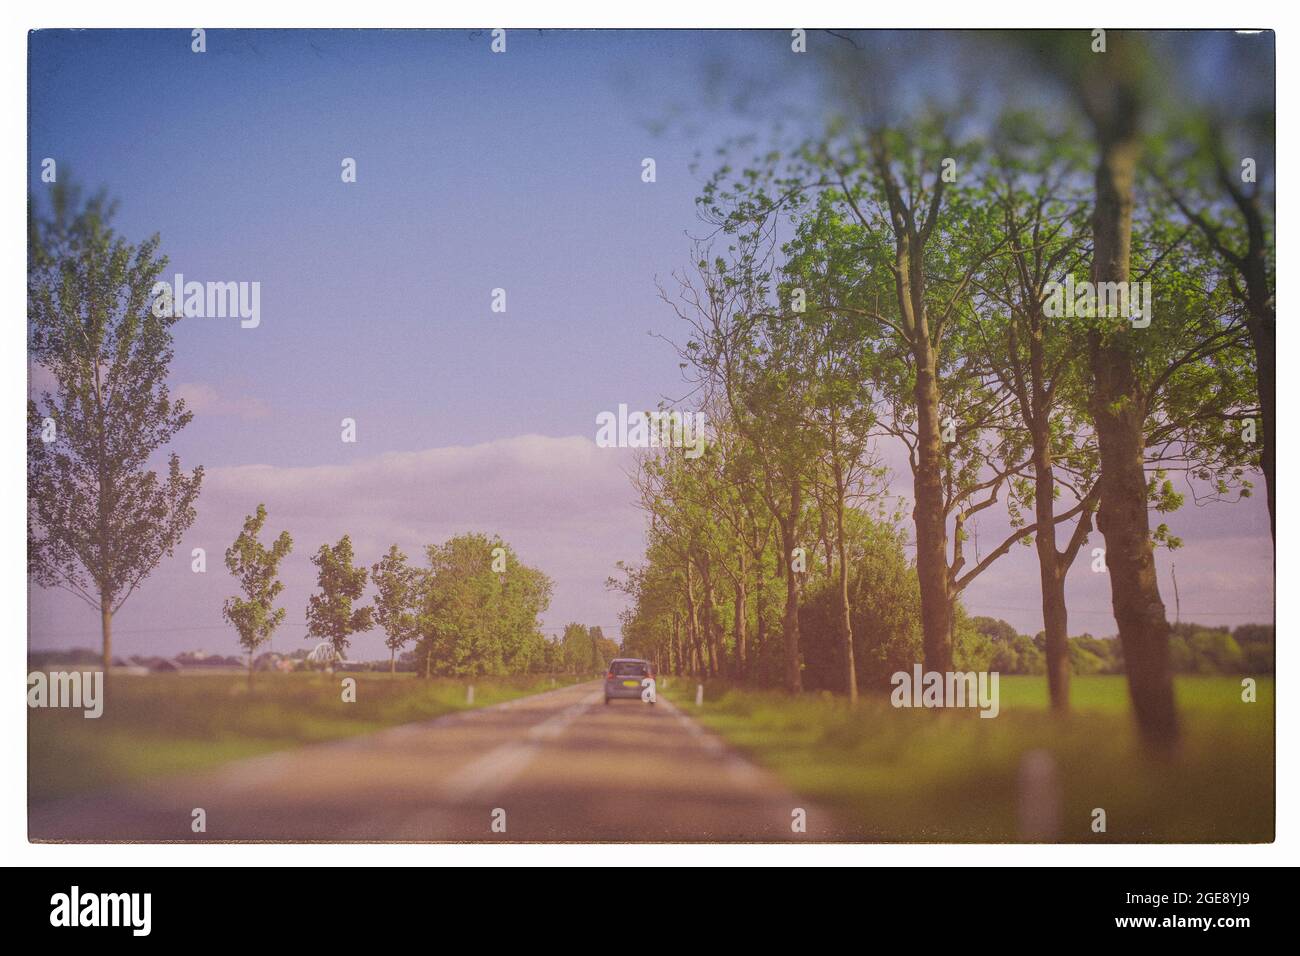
pixel 558 766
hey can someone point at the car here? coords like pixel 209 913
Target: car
pixel 624 677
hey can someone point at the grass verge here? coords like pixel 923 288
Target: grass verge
pixel 174 723
pixel 951 776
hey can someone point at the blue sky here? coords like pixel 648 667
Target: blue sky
pixel 474 171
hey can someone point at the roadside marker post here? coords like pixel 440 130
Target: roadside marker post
pixel 699 695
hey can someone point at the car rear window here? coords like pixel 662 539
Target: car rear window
pixel 629 669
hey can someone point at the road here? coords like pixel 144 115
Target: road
pixel 557 766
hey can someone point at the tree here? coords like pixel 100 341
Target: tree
pixel 603 650
pixel 740 354
pixel 331 614
pixel 99 519
pixel 396 603
pixel 838 365
pixel 255 616
pixel 1111 96
pixel 476 618
pixel 652 625
pixel 1189 358
pixel 1240 233
pixel 1035 359
pixel 577 650
pixel 902 247
pixel 885 602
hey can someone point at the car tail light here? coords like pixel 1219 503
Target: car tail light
pixel 609 676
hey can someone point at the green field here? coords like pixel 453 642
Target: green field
pixel 171 723
pixel 951 776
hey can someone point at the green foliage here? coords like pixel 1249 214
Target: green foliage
pixel 1194 649
pixel 575 650
pixel 332 614
pixel 397 597
pixel 256 567
pixel 844 278
pixel 886 612
pixel 99 518
pixel 1256 643
pixel 474 620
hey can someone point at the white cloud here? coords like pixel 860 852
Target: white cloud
pixel 204 399
pixel 562 503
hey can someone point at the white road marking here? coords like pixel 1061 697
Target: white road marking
pixel 500 766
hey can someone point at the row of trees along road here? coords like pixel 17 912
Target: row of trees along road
pixel 101 519
pixel 473 610
pixel 892 281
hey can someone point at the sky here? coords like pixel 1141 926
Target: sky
pixel 475 171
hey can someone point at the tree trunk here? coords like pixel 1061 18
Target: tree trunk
pixel 1055 632
pixel 827 546
pixel 740 617
pixel 392 660
pixel 1050 574
pixel 929 515
pixel 692 622
pixel 845 618
pixel 1263 335
pixel 1261 320
pixel 712 641
pixel 676 646
pixel 106 629
pixel 790 622
pixel 1117 409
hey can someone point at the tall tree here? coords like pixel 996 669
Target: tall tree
pixel 1036 358
pixel 578 650
pixel 332 614
pixel 903 246
pixel 739 353
pixel 1110 93
pixel 256 566
pixel 834 360
pixel 476 618
pixel 99 518
pixel 396 601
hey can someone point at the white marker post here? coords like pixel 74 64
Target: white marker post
pixel 469 695
pixel 1040 798
pixel 699 695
